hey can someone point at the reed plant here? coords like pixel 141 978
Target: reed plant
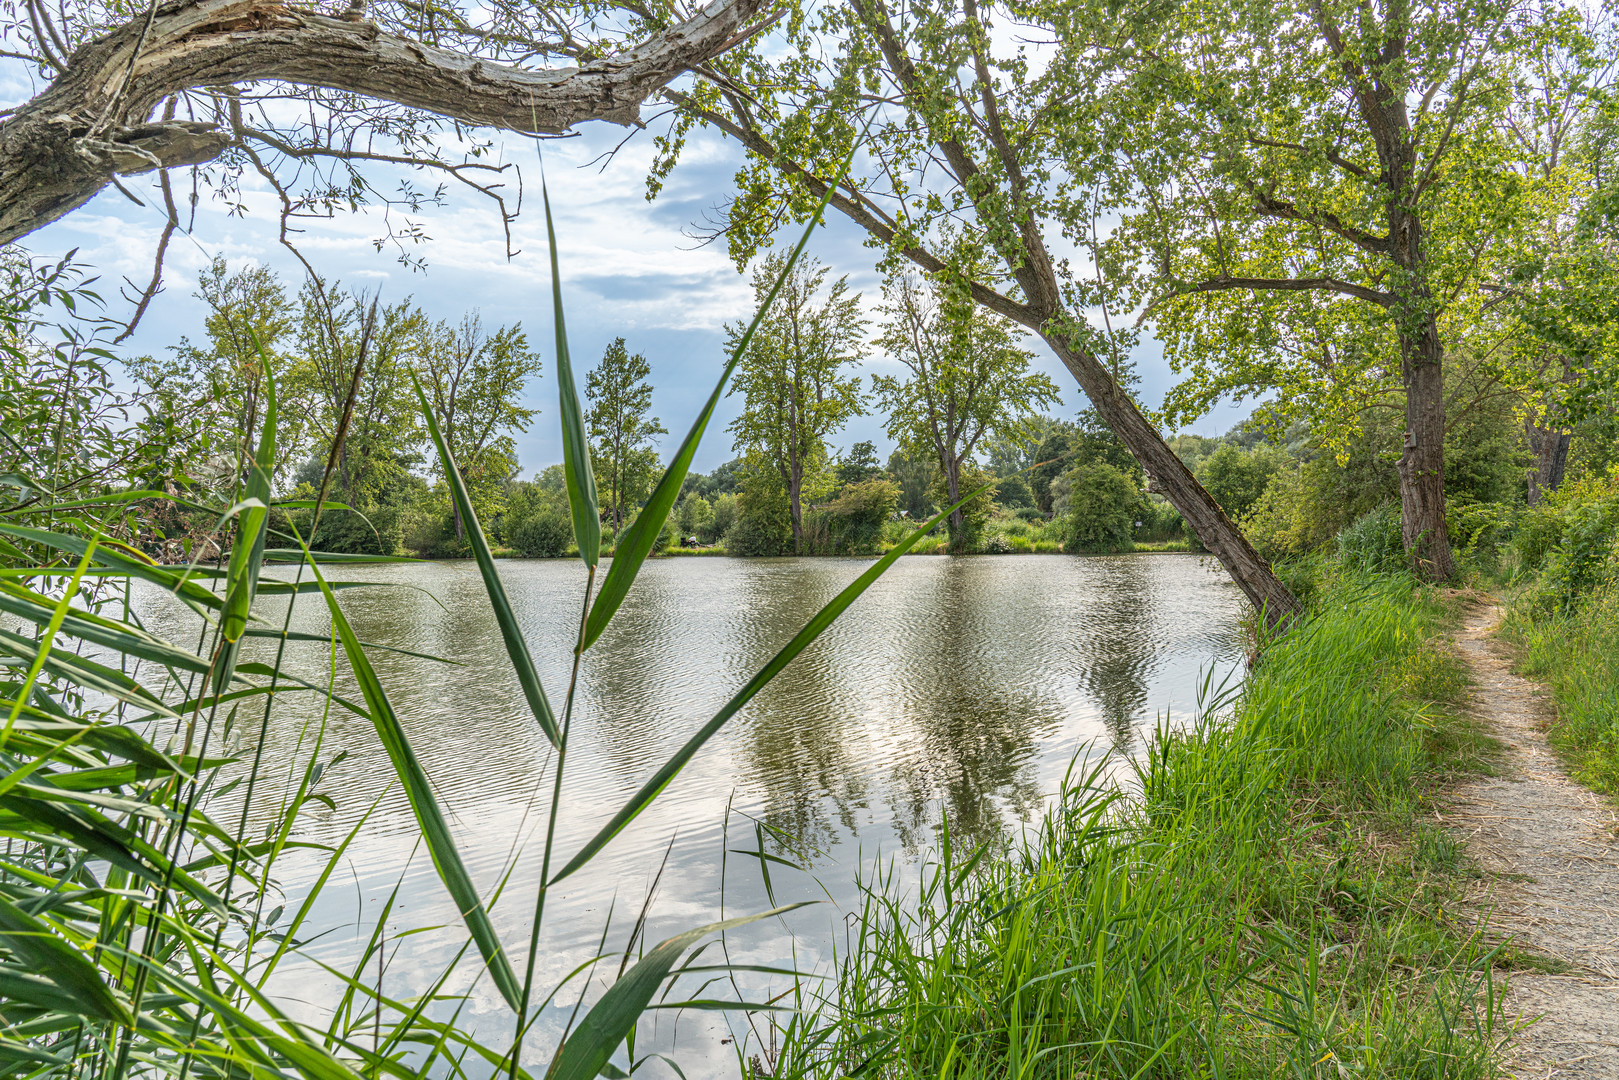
pixel 1253 898
pixel 141 929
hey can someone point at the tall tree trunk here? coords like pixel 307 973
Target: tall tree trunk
pixel 795 509
pixel 958 520
pixel 1169 476
pixel 1422 461
pixel 1550 447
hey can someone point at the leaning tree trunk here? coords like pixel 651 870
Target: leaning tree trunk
pixel 1171 478
pixel 1422 461
pixel 60 148
pixel 1041 313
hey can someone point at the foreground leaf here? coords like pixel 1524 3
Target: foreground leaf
pixel 510 632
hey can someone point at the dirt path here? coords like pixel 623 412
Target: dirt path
pixel 1550 854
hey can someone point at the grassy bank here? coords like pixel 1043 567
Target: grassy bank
pixel 1272 904
pixel 1576 654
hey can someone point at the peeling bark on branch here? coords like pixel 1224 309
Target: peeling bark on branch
pixel 61 148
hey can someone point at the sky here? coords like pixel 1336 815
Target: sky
pixel 629 268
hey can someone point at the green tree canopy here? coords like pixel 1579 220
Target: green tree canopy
pixel 967 378
pixel 474 382
pixel 623 435
pixel 793 379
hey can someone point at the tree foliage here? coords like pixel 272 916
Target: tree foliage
pixel 967 378
pixel 474 381
pixel 623 436
pixel 793 381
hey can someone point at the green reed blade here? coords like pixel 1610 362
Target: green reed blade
pixel 99 632
pixel 336 556
pixel 812 630
pixel 607 1024
pixel 78 670
pixel 247 553
pixel 254 1038
pixel 435 831
pixel 299 635
pixel 84 828
pixel 641 536
pixel 33 941
pixel 510 632
pixel 42 651
pixel 587 525
pixel 24 989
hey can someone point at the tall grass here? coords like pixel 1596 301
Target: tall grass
pixel 1576 652
pixel 1255 901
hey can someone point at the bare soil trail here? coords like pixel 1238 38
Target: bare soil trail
pixel 1548 850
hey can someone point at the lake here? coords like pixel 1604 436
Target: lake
pixel 958 687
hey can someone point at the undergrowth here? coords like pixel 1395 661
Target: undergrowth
pixel 1575 652
pixel 1259 899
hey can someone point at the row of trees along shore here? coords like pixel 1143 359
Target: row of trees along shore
pixel 964 407
pixel 1332 208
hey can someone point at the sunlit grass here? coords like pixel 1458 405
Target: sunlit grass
pixel 1255 901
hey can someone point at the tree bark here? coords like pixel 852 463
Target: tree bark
pixel 1168 475
pixel 1550 447
pixel 1422 461
pixel 956 525
pixel 58 150
pixel 795 508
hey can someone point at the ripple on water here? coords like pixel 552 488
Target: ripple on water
pixel 954 686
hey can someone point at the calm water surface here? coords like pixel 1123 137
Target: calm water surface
pixel 960 686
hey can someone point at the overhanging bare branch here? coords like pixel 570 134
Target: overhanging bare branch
pixel 62 147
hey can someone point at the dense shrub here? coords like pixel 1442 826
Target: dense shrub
pixel 854 520
pixel 545 534
pixel 764 523
pixel 1160 522
pixel 1102 504
pixel 377 532
pixel 1571 541
pixel 1013 493
pixel 697 518
pixel 1237 478
pixel 974 512
pixel 724 515
pixel 1372 542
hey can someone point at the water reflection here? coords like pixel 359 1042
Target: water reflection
pixel 957 687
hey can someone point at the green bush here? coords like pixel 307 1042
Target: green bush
pixel 542 535
pixel 974 513
pixel 1373 541
pixel 696 517
pixel 724 517
pixel 756 535
pixel 1159 522
pixel 1102 504
pixel 854 520
pixel 1013 492
pixel 377 532
pixel 1030 513
pixel 1237 478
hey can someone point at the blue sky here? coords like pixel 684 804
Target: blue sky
pixel 630 268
